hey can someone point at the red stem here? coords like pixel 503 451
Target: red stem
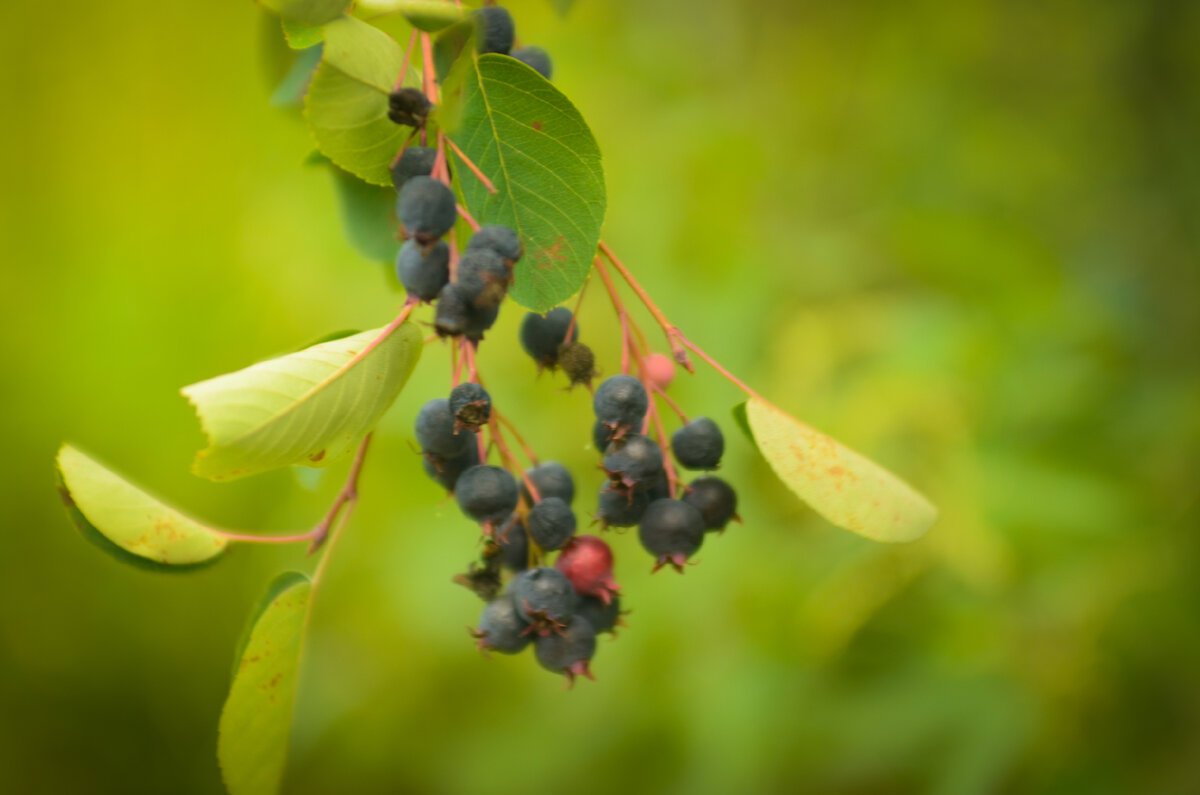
pixel 670 402
pixel 466 216
pixel 506 454
pixel 470 164
pixel 674 337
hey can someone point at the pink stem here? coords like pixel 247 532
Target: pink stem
pixel 412 43
pixel 578 306
pixel 506 454
pixel 714 364
pixel 347 496
pixel 466 216
pixel 674 337
pixel 470 164
pixel 670 402
pixel 430 72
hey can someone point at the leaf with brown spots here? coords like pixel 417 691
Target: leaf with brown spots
pixel 256 721
pixel 127 522
pixel 845 487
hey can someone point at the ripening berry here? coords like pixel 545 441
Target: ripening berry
pixel 672 531
pixel 414 161
pixel 501 628
pixel 715 499
pixel 603 616
pixel 659 369
pixel 423 272
pixel 435 430
pixel 471 406
pixel 409 106
pixel 588 563
pixel 511 544
pixel 544 598
pixel 578 362
pixel 551 523
pixel 570 651
pixel 535 57
pixel 427 209
pixel 633 461
pixel 446 471
pixel 483 278
pixel 620 507
pixel 494 30
pixel 542 336
pixel 500 239
pixel 551 479
pixel 486 493
pixel 620 403
pixel 699 444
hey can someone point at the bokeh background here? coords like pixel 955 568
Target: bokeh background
pixel 961 236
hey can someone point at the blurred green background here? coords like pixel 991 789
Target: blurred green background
pixel 961 236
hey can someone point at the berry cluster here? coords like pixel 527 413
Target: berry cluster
pixel 525 512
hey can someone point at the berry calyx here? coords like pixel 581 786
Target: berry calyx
pixel 501 628
pixel 543 336
pixel 715 499
pixel 486 493
pixel 551 523
pixel 699 444
pixel 423 271
pixel 427 209
pixel 569 651
pixel 545 598
pixel 672 531
pixel 471 406
pixel 588 563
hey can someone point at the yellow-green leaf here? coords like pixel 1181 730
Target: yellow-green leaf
pixel 256 721
pixel 128 522
pixel 845 487
pixel 308 407
pixel 307 12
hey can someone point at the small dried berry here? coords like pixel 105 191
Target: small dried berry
pixel 471 406
pixel 409 106
pixel 578 362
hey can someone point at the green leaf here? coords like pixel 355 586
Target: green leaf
pixel 539 153
pixel 845 487
pixel 129 523
pixel 301 36
pixel 307 12
pixel 308 407
pixel 447 48
pixel 252 741
pixel 346 104
pixel 290 91
pixel 431 15
pixel 368 215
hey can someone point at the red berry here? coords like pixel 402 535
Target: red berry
pixel 659 369
pixel 588 563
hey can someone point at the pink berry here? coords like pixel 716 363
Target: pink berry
pixel 588 562
pixel 660 369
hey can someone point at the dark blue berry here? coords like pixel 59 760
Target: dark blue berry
pixel 486 493
pixel 414 161
pixel 602 435
pixel 479 321
pixel 511 544
pixel 500 239
pixel 427 209
pixel 446 471
pixel 409 106
pixel 545 598
pixel 551 479
pixel 471 406
pixel 603 617
pixel 423 272
pixel 494 30
pixel 620 403
pixel 658 488
pixel 672 531
pixel 435 430
pixel 537 58
pixel 699 444
pixel 633 461
pixel 715 499
pixel 483 278
pixel 542 336
pixel 620 507
pixel 551 523
pixel 570 651
pixel 453 313
pixel 501 628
